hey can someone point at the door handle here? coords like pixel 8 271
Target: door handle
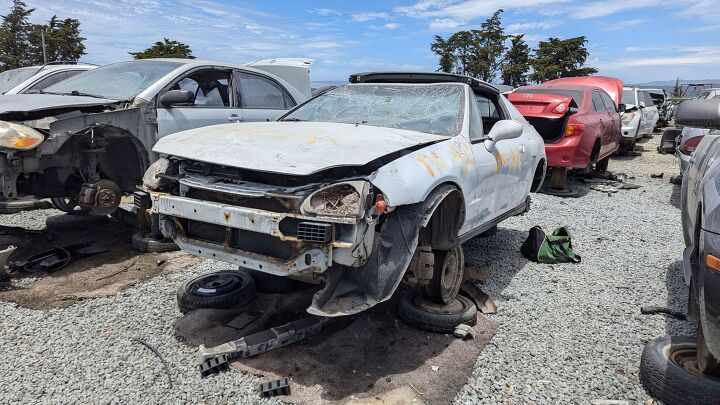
pixel 235 117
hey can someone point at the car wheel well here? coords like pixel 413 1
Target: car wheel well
pixel 441 230
pixel 125 159
pixel 538 176
pixel 595 151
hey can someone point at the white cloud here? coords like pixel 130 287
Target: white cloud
pixel 445 24
pixel 608 7
pixel 624 24
pixel 535 25
pixel 323 11
pixel 392 26
pixel 369 16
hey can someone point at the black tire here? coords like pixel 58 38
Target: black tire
pixel 69 222
pixel 15 205
pixel 666 380
pixel 68 205
pixel 268 283
pixel 426 315
pixel 220 290
pixel 602 165
pixel 447 275
pixel 145 243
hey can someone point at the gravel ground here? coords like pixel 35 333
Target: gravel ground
pixel 568 334
pixel 573 333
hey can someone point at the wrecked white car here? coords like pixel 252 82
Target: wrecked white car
pixel 363 186
pixel 87 140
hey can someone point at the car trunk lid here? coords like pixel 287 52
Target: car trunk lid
pixel 548 113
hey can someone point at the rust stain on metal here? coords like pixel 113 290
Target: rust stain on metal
pixel 226 215
pixel 313 138
pixel 424 160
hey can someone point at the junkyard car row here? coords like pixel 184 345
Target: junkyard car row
pixel 358 187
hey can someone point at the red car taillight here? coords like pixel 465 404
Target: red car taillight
pixel 691 144
pixel 574 129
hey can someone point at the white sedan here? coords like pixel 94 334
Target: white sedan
pixel 362 186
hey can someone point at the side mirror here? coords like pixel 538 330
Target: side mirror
pixel 621 108
pixel 505 129
pixel 177 97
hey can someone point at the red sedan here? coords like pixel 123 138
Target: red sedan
pixel 578 119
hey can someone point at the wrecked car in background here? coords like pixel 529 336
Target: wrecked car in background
pixel 364 186
pixel 35 78
pixel 685 369
pixel 578 120
pixel 640 117
pixel 690 137
pixel 88 139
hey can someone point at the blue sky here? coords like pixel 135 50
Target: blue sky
pixel 635 40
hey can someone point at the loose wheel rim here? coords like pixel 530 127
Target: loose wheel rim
pixel 449 271
pixel 215 284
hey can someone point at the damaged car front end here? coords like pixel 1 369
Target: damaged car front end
pixel 360 187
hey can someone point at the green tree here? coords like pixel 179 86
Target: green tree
pixel 677 89
pixel 557 58
pixel 14 36
pixel 444 50
pixel 488 45
pixel 62 41
pixel 165 49
pixel 517 62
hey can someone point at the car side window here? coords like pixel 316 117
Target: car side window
pixel 598 105
pixel 52 79
pixel 489 110
pixel 476 122
pixel 255 91
pixel 609 103
pixel 211 88
pixel 648 100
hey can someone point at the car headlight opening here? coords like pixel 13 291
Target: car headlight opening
pixel 346 199
pixel 19 137
pixel 150 179
pixel 627 118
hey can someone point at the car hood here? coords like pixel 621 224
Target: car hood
pixel 295 148
pixel 24 103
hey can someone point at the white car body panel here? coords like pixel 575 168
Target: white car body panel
pixel 296 148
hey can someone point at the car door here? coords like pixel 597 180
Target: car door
pixel 653 113
pixel 213 102
pixel 647 112
pixel 261 97
pixel 602 120
pixel 614 131
pixel 511 156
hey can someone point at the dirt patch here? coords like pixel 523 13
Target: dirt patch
pixel 371 357
pixel 97 276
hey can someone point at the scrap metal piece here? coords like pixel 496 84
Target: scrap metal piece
pixel 483 301
pixel 4 255
pixel 275 388
pixel 214 365
pixel 266 340
pixel 661 310
pixel 475 273
pixel 58 257
pixel 464 332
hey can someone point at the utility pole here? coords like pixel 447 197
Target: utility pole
pixel 42 41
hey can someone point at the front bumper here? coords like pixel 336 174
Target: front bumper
pixel 629 133
pixel 258 239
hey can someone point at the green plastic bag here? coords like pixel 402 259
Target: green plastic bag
pixel 554 248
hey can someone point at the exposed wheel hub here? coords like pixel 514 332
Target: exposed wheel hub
pixel 101 197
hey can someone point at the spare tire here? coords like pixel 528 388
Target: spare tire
pixel 69 222
pixel 219 290
pixel 268 283
pixel 424 314
pixel 664 372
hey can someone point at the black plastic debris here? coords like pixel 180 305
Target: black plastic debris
pixel 657 176
pixel 275 388
pixel 54 259
pixel 214 365
pixel 661 310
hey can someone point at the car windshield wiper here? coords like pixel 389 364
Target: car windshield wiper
pixel 72 93
pixel 292 119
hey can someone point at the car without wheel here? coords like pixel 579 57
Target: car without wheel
pixel 579 123
pixel 686 370
pixel 363 186
pixel 87 140
pixel 33 79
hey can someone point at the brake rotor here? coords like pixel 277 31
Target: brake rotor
pixel 106 197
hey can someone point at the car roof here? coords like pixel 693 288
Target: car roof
pixel 422 77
